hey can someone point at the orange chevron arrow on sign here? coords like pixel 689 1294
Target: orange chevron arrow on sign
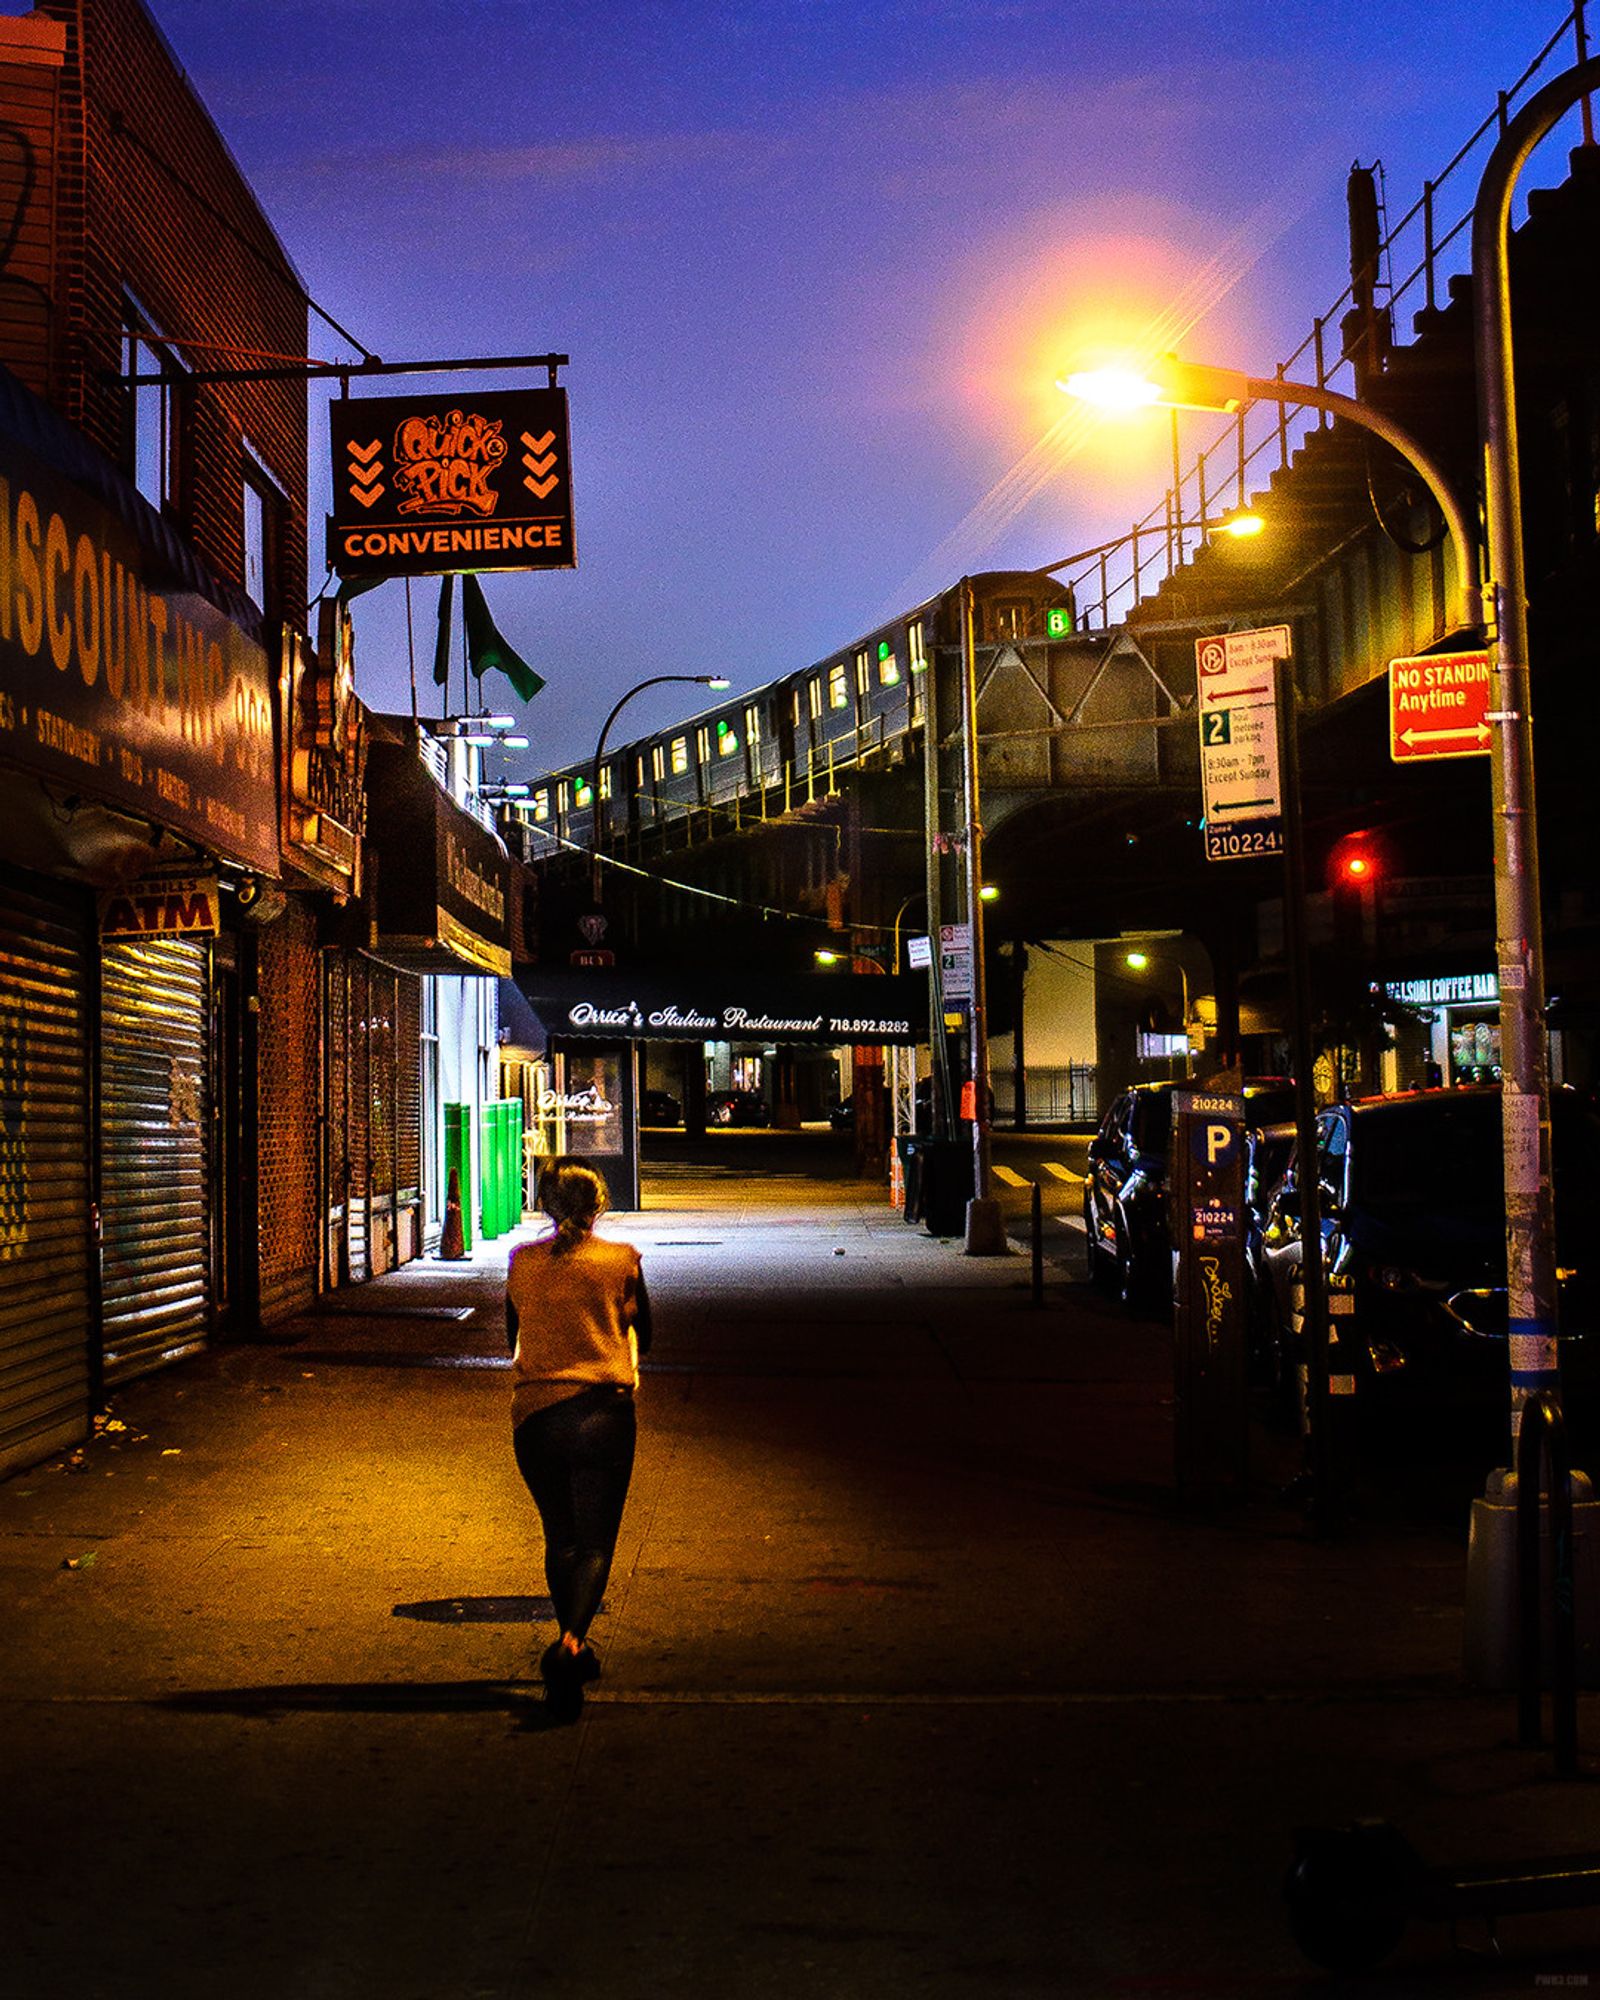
pixel 539 443
pixel 540 466
pixel 367 499
pixel 364 475
pixel 365 451
pixel 542 487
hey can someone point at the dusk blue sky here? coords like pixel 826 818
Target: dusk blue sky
pixel 817 264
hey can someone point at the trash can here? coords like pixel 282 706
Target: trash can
pixel 946 1185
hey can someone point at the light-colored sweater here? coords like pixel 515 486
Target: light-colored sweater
pixel 574 1317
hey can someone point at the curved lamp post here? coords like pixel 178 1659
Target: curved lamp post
pixel 1532 1293
pixel 655 680
pixel 1172 384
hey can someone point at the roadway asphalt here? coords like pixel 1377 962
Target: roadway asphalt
pixel 917 1678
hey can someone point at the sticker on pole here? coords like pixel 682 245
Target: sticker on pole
pixel 1439 707
pixel 1238 713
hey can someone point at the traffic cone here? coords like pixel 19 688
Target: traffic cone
pixel 452 1242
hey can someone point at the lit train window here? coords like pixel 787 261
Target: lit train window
pixel 658 762
pixel 702 745
pixel 814 694
pixel 605 781
pixel 680 755
pixel 541 805
pixel 919 659
pixel 798 711
pixel 1011 621
pixel 752 725
pixel 638 773
pixel 888 666
pixel 727 740
pixel 863 673
pixel 838 687
pixel 919 703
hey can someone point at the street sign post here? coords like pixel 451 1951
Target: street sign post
pixel 955 961
pixel 1439 707
pixel 1239 777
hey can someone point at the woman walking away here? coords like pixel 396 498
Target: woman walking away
pixel 577 1318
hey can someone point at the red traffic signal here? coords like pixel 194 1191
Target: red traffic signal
pixel 1356 862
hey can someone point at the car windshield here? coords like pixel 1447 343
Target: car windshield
pixel 1444 1151
pixel 1151 1128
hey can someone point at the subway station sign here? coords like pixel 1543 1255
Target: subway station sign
pixel 428 485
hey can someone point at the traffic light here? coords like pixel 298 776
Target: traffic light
pixel 1355 863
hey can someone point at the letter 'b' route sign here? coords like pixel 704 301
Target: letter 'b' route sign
pixel 1439 706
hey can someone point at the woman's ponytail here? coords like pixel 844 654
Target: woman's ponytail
pixel 574 1198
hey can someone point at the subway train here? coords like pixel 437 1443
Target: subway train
pixel 778 747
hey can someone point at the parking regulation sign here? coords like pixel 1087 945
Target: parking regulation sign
pixel 1238 714
pixel 1439 707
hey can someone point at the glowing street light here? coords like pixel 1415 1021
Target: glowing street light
pixel 1171 384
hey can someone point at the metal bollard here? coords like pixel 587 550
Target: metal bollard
pixel 1038 1244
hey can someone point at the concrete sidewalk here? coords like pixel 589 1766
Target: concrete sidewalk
pixel 916 1680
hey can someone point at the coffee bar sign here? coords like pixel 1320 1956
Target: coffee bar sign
pixel 826 1008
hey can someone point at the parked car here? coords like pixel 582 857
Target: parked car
pixel 660 1107
pixel 1413 1235
pixel 1129 1243
pixel 843 1116
pixel 738 1107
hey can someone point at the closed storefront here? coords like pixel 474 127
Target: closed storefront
pixel 46 1273
pixel 371 1020
pixel 155 1120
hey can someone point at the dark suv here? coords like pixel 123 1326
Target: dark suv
pixel 1413 1228
pixel 1125 1190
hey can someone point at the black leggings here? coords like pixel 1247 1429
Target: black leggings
pixel 576 1458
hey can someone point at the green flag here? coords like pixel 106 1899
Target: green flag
pixel 486 650
pixel 441 651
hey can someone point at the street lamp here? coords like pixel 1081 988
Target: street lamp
pixel 1140 961
pixel 1190 385
pixel 655 680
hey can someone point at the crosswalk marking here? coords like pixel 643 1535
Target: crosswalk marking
pixel 1010 1178
pixel 1063 1173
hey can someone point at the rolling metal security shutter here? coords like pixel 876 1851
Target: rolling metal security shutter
pixel 154 1117
pixel 45 1291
